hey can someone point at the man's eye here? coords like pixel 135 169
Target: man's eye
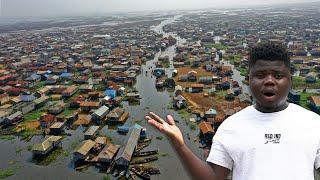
pixel 278 75
pixel 259 75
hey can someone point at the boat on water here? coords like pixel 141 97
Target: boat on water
pixel 111 167
pixel 145 153
pixel 148 169
pixel 145 160
pixel 123 129
pixel 140 173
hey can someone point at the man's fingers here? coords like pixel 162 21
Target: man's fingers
pixel 155 123
pixel 156 117
pixel 170 120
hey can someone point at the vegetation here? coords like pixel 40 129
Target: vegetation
pixel 67 112
pixel 192 126
pixel 107 177
pixel 29 147
pixel 137 121
pixel 184 114
pixel 220 95
pixel 40 85
pixel 50 158
pixel 217 46
pixel 30 132
pixel 243 71
pixel 163 154
pixel 34 115
pixel 4 173
pixel 159 138
pixel 7 138
pixel 299 82
pixel 304 98
pixel 234 58
pixel 18 150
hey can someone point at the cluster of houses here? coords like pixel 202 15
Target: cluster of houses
pixel 68 68
pixel 230 37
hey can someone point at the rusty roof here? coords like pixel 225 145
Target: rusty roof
pixel 315 100
pixel 205 127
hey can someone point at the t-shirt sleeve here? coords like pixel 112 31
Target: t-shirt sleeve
pixel 218 155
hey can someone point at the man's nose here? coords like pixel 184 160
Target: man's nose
pixel 269 80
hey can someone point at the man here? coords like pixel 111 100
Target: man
pixel 271 140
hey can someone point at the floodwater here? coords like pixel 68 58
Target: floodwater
pixel 14 153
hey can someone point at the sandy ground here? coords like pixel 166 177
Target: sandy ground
pixel 201 102
pixel 31 124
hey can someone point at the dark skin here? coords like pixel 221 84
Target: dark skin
pixel 270 83
pixel 197 168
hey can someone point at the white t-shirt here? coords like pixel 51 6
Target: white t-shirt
pixel 283 145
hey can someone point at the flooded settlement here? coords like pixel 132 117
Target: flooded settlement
pixel 74 96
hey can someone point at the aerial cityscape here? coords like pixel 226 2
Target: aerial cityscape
pixel 74 91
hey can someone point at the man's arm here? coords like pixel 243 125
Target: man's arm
pixel 197 168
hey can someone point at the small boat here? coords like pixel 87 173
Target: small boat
pixel 111 167
pixel 141 174
pixel 147 140
pixel 142 145
pixel 150 170
pixel 82 167
pixel 145 153
pixel 145 160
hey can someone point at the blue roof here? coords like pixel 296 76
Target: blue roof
pixel 35 76
pixel 110 92
pixel 27 98
pixel 66 75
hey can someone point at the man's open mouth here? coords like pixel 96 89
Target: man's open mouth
pixel 269 94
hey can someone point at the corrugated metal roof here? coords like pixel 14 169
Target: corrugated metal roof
pixel 125 153
pixel 46 144
pixel 102 111
pixel 108 152
pixel 205 127
pixel 91 131
pixel 85 147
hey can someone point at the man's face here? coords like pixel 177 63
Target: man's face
pixel 270 83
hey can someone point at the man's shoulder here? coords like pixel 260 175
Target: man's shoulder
pixel 240 116
pixel 301 111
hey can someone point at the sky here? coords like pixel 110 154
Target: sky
pixel 43 8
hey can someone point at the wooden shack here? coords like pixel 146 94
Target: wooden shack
pixel 45 147
pixel 91 133
pixel 83 151
pixel 108 153
pixel 123 158
pixel 57 128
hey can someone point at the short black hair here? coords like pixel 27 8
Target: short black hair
pixel 269 52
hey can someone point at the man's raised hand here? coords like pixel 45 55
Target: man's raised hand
pixel 168 128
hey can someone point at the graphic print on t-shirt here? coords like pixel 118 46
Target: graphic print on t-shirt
pixel 272 138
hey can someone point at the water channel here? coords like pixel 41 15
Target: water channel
pixel 15 154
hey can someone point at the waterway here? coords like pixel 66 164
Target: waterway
pixel 15 154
